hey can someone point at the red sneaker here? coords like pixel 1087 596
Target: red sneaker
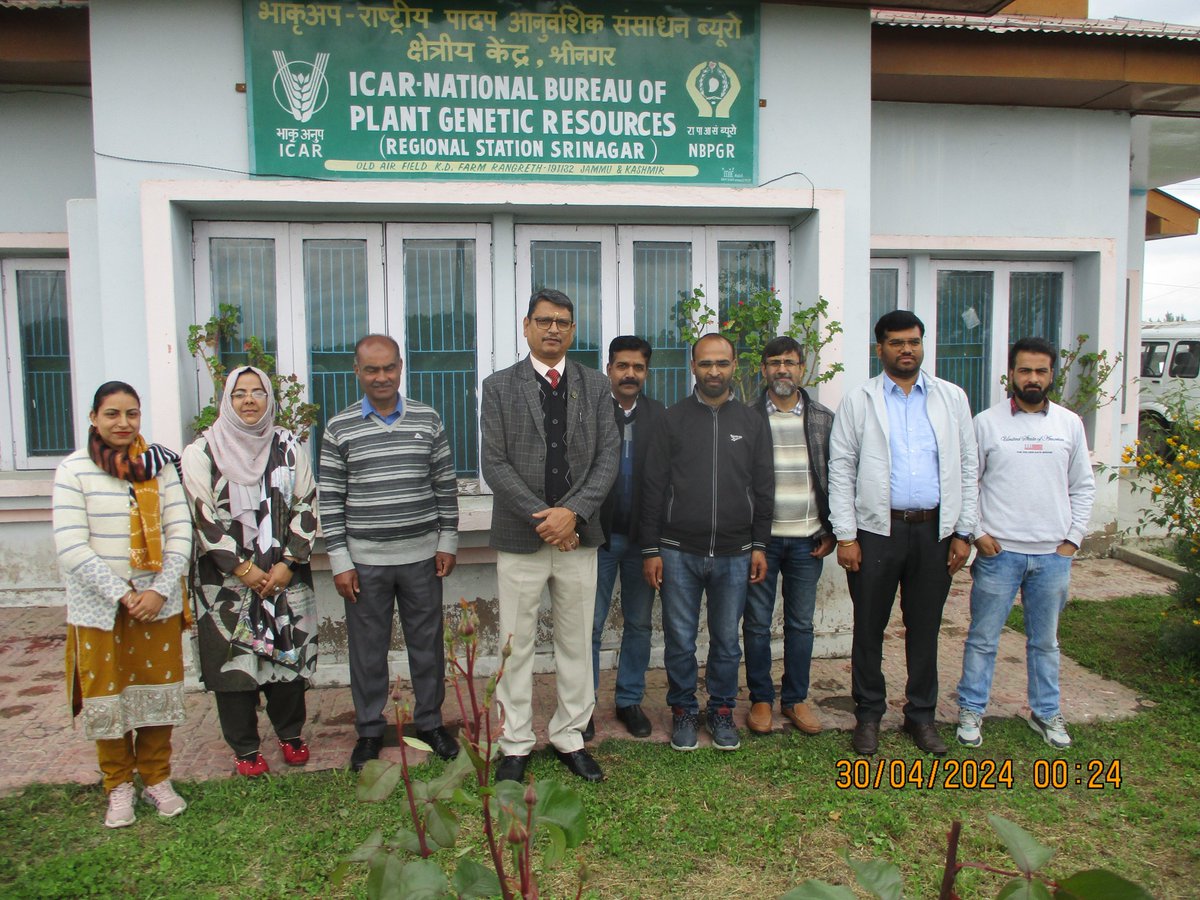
pixel 294 756
pixel 252 768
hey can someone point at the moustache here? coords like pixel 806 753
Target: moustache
pixel 632 381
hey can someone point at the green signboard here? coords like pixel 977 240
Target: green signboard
pixel 502 90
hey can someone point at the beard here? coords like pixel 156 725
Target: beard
pixel 1032 394
pixel 783 387
pixel 713 389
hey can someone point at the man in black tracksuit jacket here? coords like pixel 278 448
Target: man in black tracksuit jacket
pixel 708 491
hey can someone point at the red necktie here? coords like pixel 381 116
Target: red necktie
pixel 552 376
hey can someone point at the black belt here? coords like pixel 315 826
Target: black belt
pixel 912 516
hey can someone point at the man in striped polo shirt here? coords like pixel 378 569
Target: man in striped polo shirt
pixel 389 513
pixel 801 538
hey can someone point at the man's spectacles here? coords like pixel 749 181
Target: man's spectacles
pixel 897 344
pixel 706 364
pixel 242 395
pixel 774 363
pixel 544 322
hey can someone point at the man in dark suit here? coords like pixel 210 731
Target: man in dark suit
pixel 637 418
pixel 550 456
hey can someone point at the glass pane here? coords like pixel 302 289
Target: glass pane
pixel 243 276
pixel 45 361
pixel 1185 362
pixel 744 267
pixel 1035 306
pixel 964 310
pixel 573 267
pixel 439 303
pixel 1154 359
pixel 335 295
pixel 885 297
pixel 662 277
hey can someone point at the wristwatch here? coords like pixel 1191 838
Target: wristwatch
pixel 292 564
pixel 968 537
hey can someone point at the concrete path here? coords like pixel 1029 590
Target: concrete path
pixel 41 743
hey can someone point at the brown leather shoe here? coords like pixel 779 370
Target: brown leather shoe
pixel 760 721
pixel 865 738
pixel 804 717
pixel 925 736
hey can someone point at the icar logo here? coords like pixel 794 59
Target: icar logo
pixel 300 87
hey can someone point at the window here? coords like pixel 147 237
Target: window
pixel 1185 362
pixel 982 308
pixel 309 292
pixel 1154 359
pixel 632 279
pixel 37 346
pixel 889 291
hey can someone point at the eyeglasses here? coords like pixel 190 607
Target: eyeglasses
pixel 242 395
pixel 897 344
pixel 544 322
pixel 706 364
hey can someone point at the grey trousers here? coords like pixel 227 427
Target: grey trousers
pixel 416 591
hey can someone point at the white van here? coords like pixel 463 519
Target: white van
pixel 1170 362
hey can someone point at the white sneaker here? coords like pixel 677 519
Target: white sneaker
pixel 970 728
pixel 163 798
pixel 120 806
pixel 1052 730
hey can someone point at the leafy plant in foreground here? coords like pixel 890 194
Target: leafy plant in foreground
pixel 514 816
pixel 882 879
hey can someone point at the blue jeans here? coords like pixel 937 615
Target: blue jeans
pixel 723 580
pixel 791 557
pixel 1043 580
pixel 637 599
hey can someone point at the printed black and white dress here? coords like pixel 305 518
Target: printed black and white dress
pixel 286 525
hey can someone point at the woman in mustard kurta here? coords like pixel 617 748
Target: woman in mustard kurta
pixel 123 535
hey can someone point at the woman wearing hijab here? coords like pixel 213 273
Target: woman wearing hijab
pixel 124 538
pixel 251 490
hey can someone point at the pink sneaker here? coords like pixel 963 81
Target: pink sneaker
pixel 120 806
pixel 252 768
pixel 294 756
pixel 163 798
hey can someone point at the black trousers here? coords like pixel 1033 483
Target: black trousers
pixel 237 712
pixel 416 592
pixel 913 559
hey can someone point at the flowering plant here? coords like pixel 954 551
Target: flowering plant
pixel 1167 466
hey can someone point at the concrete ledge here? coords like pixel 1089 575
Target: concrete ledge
pixel 1149 562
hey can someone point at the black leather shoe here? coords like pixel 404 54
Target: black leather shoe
pixel 590 731
pixel 865 738
pixel 440 741
pixel 365 750
pixel 925 736
pixel 635 720
pixel 581 763
pixel 511 768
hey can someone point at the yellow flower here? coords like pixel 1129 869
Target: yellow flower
pixel 1157 489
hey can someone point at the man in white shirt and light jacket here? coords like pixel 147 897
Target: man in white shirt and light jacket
pixel 902 500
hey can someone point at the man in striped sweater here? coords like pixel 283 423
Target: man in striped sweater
pixel 389 513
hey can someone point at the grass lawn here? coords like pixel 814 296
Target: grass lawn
pixel 723 825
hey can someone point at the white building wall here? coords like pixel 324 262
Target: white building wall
pixel 45 156
pixel 1014 183
pixel 166 107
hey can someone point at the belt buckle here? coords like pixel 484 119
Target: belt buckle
pixel 912 515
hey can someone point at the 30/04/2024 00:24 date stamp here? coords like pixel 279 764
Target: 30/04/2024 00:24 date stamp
pixel 975 774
